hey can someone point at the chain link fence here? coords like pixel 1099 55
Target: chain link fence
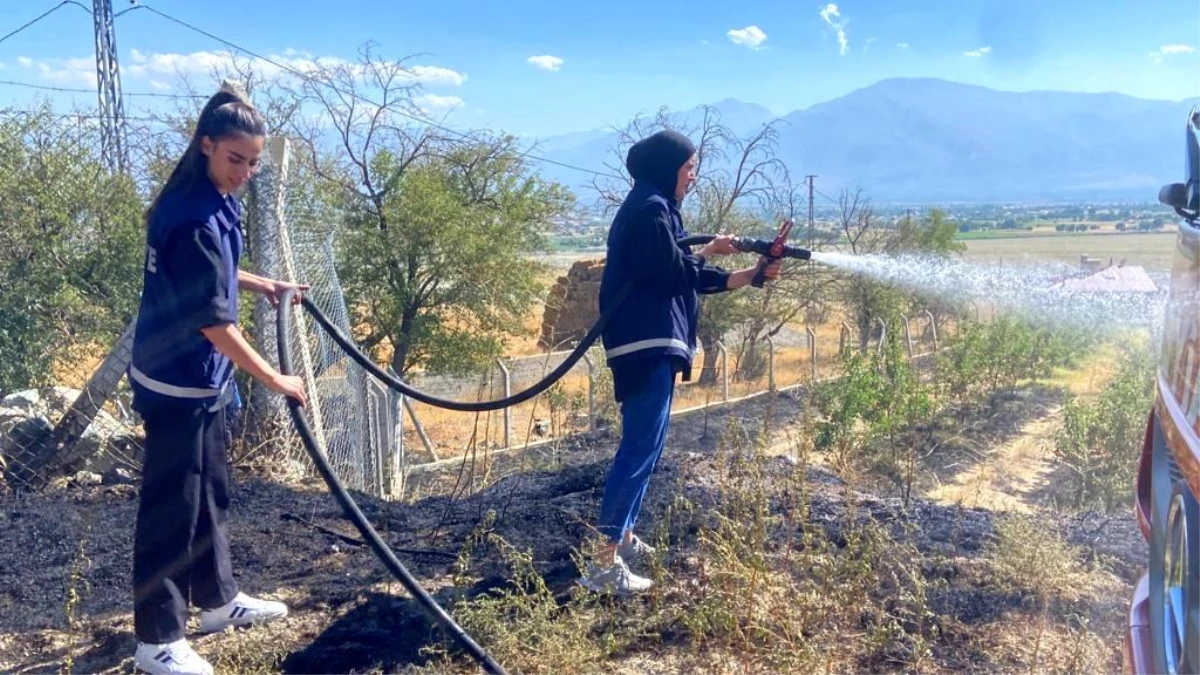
pixel 375 437
pixel 77 425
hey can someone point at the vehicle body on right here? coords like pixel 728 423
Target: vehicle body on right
pixel 1163 633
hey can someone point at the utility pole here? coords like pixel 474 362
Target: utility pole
pixel 812 269
pixel 809 179
pixel 108 88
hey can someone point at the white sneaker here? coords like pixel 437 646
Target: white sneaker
pixel 636 550
pixel 243 610
pixel 614 578
pixel 172 658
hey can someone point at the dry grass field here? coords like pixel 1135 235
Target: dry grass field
pixel 1152 251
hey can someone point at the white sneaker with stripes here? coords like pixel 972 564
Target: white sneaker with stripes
pixel 172 658
pixel 243 610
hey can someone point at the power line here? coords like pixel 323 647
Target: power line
pixel 827 197
pixel 353 95
pixel 43 15
pixel 10 113
pixel 81 90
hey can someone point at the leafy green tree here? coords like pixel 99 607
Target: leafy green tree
pixel 438 231
pixel 70 249
pixel 443 271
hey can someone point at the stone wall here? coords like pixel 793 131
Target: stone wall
pixel 573 305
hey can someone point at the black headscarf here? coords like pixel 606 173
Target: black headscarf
pixel 656 160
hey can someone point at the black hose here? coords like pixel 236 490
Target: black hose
pixel 545 383
pixel 377 544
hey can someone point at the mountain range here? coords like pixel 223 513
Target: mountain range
pixel 916 140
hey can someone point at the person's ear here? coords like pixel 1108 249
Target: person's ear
pixel 207 146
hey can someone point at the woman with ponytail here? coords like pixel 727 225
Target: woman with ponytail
pixel 186 347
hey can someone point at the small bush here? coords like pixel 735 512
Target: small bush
pixel 1100 439
pixel 1028 556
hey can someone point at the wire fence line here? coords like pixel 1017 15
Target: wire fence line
pixel 375 437
pixel 84 429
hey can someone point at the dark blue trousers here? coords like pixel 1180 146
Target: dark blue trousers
pixel 645 416
pixel 180 547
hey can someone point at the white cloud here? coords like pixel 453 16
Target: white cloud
pixel 195 63
pixel 432 103
pixel 436 75
pixel 161 71
pixel 833 17
pixel 545 62
pixel 902 45
pixel 203 63
pixel 1170 50
pixel 72 72
pixel 976 53
pixel 704 42
pixel 750 36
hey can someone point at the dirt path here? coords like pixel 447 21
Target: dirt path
pixel 1016 475
pixel 1007 477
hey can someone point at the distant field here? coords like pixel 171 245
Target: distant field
pixel 1152 251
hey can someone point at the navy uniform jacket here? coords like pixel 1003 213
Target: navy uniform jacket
pixel 193 248
pixel 658 319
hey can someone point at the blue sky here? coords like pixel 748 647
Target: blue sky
pixel 539 67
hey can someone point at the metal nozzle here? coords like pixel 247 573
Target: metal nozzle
pixel 761 247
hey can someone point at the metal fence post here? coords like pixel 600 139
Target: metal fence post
pixel 770 363
pixel 399 459
pixel 507 411
pixel 376 397
pixel 932 329
pixel 907 336
pixel 278 149
pixel 591 375
pixel 812 350
pixel 425 441
pixel 397 466
pixel 724 370
pixel 100 387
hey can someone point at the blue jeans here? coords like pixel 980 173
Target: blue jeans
pixel 645 415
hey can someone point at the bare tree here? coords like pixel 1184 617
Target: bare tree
pixel 436 225
pixel 738 178
pixel 363 108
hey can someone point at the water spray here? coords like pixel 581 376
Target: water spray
pixel 1043 291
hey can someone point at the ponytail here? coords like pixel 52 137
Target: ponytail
pixel 227 113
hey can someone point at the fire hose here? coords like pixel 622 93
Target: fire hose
pixel 770 250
